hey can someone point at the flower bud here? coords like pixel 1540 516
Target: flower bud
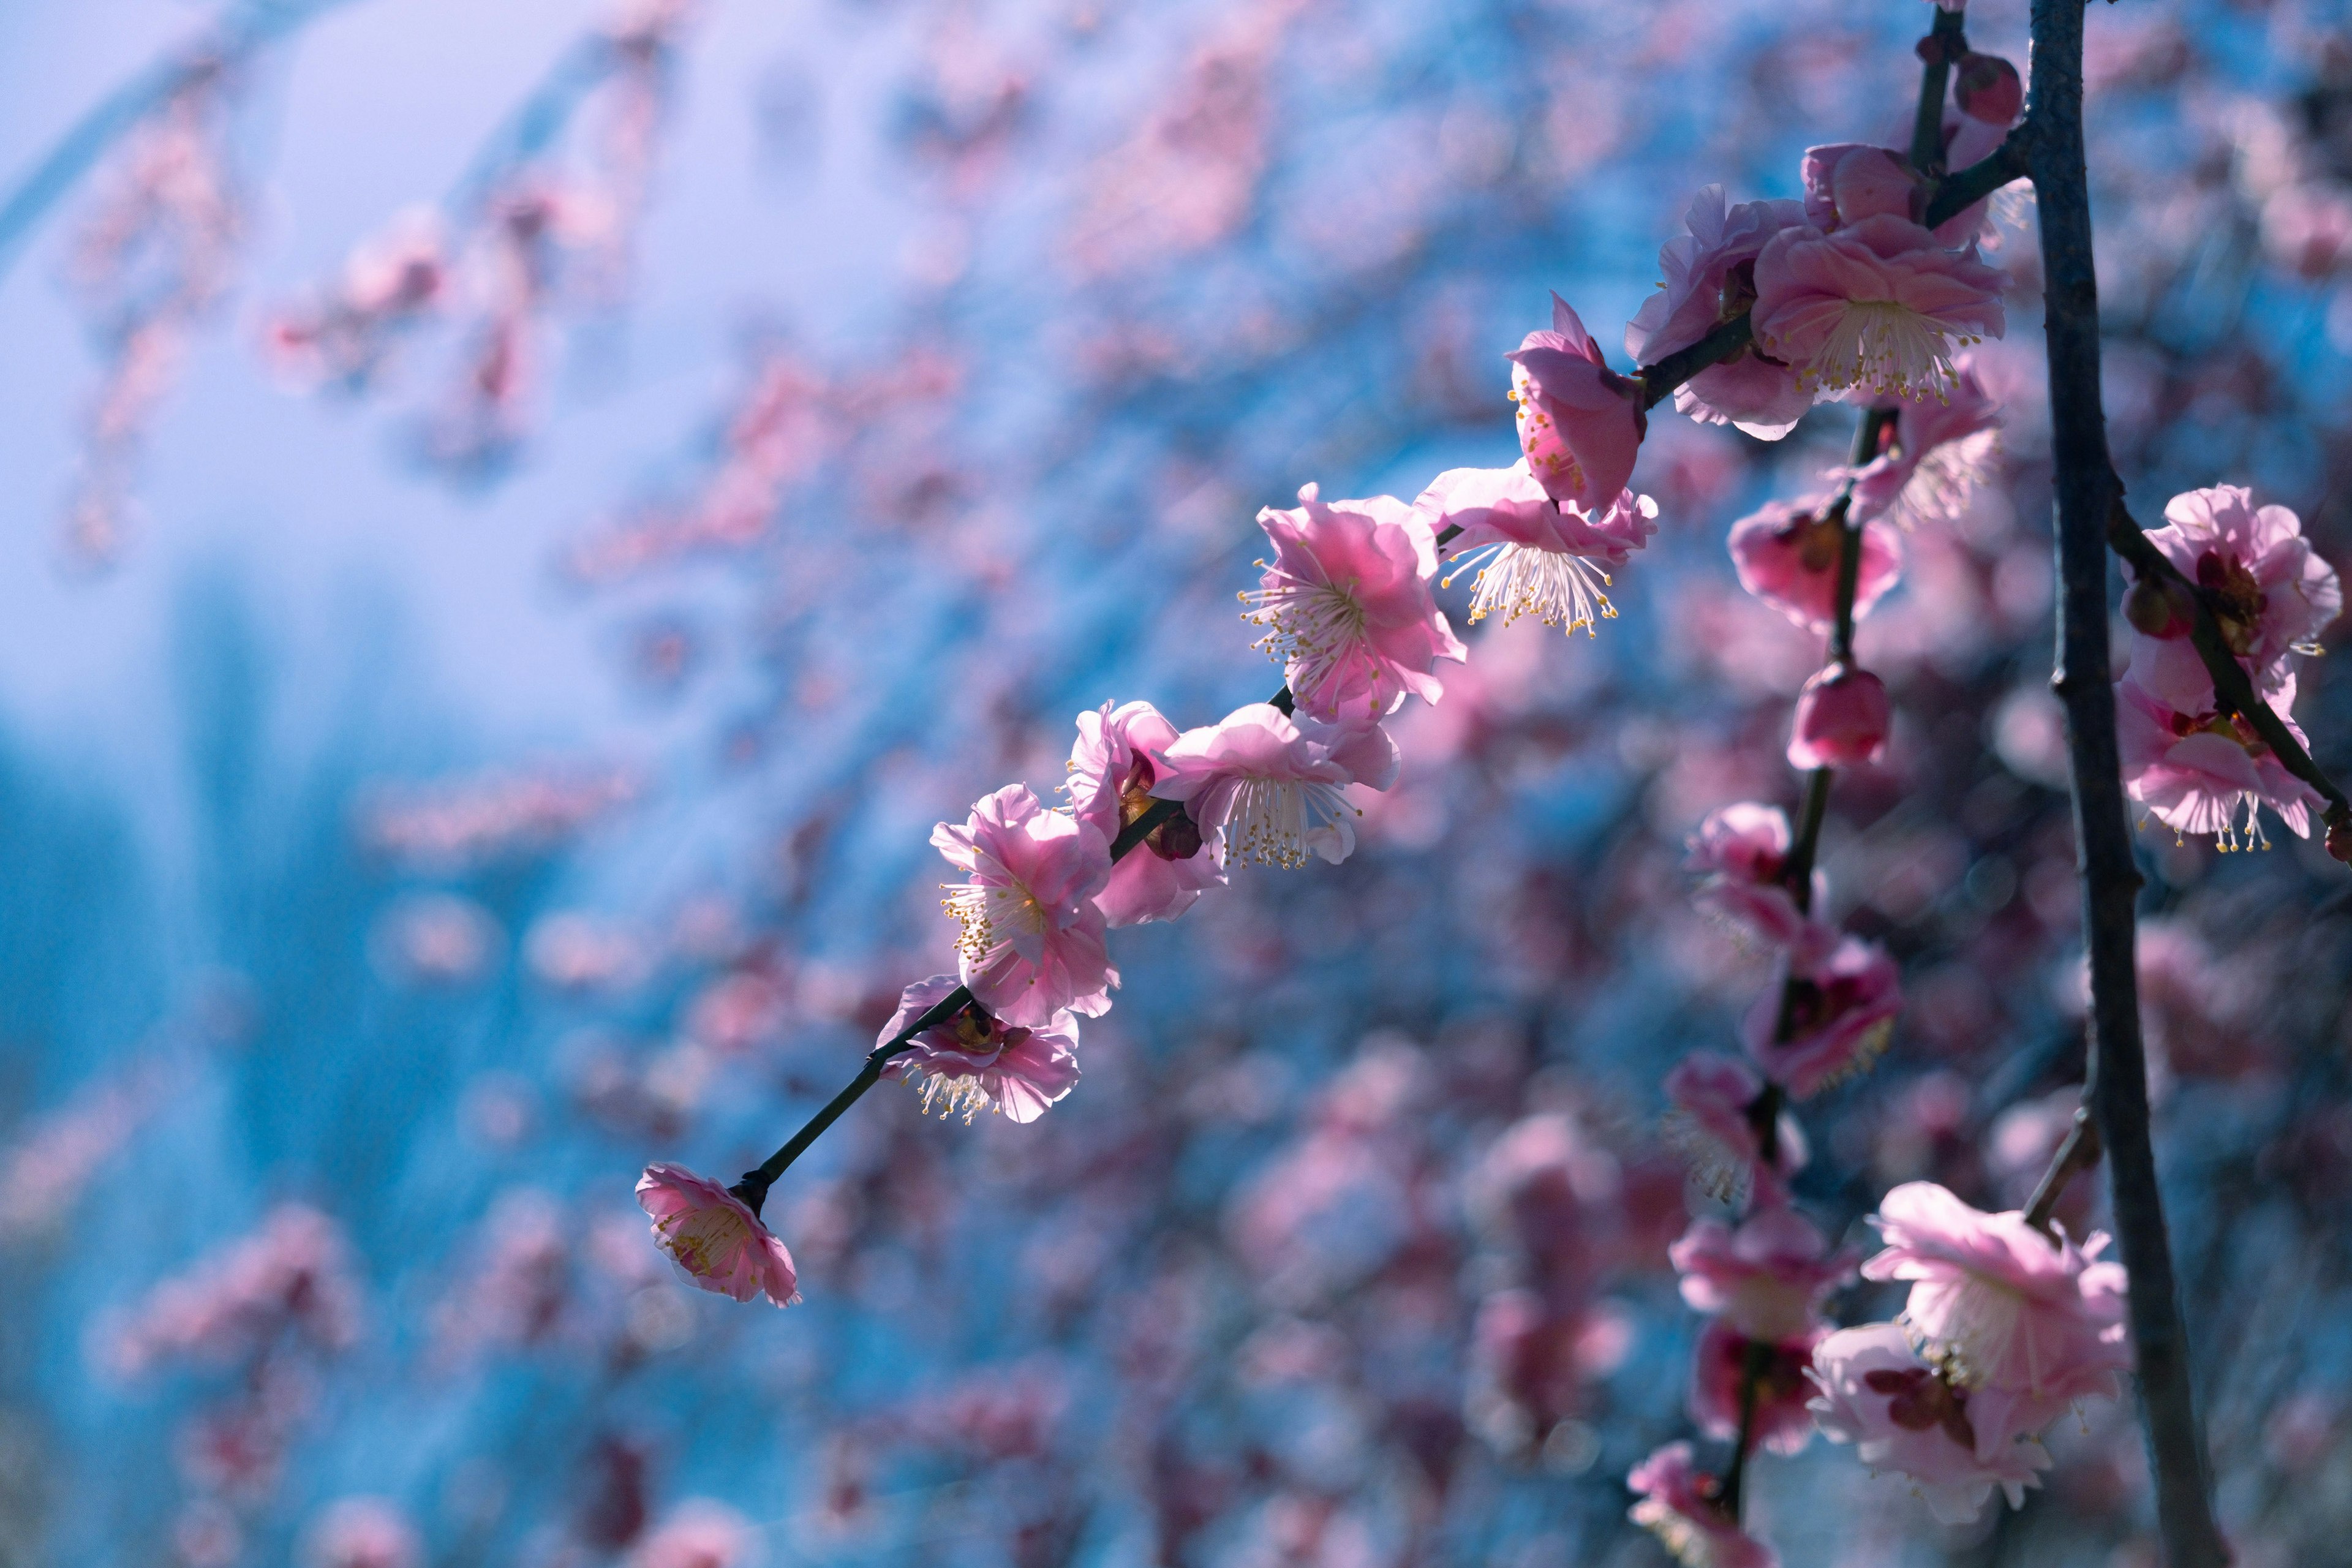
pixel 2339 835
pixel 2159 607
pixel 1841 719
pixel 1990 90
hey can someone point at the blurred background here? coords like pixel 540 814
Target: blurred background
pixel 469 728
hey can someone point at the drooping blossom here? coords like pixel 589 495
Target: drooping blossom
pixel 1788 555
pixel 2025 1323
pixel 362 1533
pixel 1113 767
pixel 1743 851
pixel 1682 1506
pixel 2270 595
pixel 1033 941
pixel 1847 183
pixel 1712 1124
pixel 698 1533
pixel 1729 1370
pixel 1767 1276
pixel 1710 278
pixel 1580 423
pixel 974 1060
pixel 1829 1021
pixel 2196 771
pixel 1943 448
pixel 1273 786
pixel 1841 719
pixel 1533 556
pixel 1902 1413
pixel 1346 605
pixel 1879 305
pixel 713 1236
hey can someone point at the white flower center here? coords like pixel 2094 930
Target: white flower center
pixel 1312 625
pixel 1272 817
pixel 1519 580
pixel 704 1239
pixel 1887 346
pixel 991 914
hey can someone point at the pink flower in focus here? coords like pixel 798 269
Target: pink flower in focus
pixel 1721 1370
pixel 1347 605
pixel 2270 595
pixel 1112 770
pixel 1033 942
pixel 714 1238
pixel 1743 850
pixel 1712 1126
pixel 1901 1413
pixel 2025 1325
pixel 1533 555
pixel 362 1533
pixel 2195 772
pixel 1879 305
pixel 1767 1277
pixel 1943 449
pixel 1680 1505
pixel 1829 1021
pixel 1710 278
pixel 1842 714
pixel 974 1060
pixel 1580 423
pixel 1787 555
pixel 698 1534
pixel 1847 183
pixel 1275 785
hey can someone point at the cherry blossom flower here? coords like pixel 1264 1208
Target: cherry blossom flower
pixel 1841 719
pixel 975 1060
pixel 362 1533
pixel 1902 1413
pixel 1847 183
pixel 1580 423
pixel 1274 786
pixel 1830 1019
pixel 1943 448
pixel 1033 942
pixel 2195 772
pixel 1728 1365
pixel 1347 605
pixel 713 1236
pixel 1710 278
pixel 698 1534
pixel 1766 1277
pixel 2268 591
pixel 1743 848
pixel 1533 555
pixel 1112 770
pixel 2026 1324
pixel 1879 305
pixel 1787 555
pixel 1713 1126
pixel 1682 1506
pixel 393 281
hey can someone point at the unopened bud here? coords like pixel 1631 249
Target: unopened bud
pixel 1842 719
pixel 2159 607
pixel 2339 835
pixel 1990 90
pixel 1178 839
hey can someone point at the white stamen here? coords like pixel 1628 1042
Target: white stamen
pixel 1272 818
pixel 1519 580
pixel 1886 345
pixel 1310 625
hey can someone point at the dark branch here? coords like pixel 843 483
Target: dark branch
pixel 1956 194
pixel 1659 380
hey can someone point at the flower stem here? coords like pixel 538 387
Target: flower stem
pixel 1939 52
pixel 1753 1364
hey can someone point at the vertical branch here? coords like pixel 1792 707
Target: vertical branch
pixel 2086 487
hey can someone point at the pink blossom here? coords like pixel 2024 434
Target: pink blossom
pixel 975 1060
pixel 1580 423
pixel 698 1534
pixel 1902 1413
pixel 1713 1126
pixel 1847 183
pixel 1274 786
pixel 1841 719
pixel 2270 592
pixel 1112 770
pixel 2196 771
pixel 1878 304
pixel 1347 605
pixel 1943 448
pixel 1682 1506
pixel 1710 278
pixel 1033 942
pixel 1728 1362
pixel 362 1533
pixel 2024 1324
pixel 1787 555
pixel 390 282
pixel 289 1279
pixel 1533 555
pixel 1744 850
pixel 713 1236
pixel 1767 1276
pixel 1829 1020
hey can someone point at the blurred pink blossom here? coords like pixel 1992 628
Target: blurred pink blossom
pixel 974 1060
pixel 1682 1505
pixel 290 1278
pixel 1766 1277
pixel 1788 555
pixel 1734 1376
pixel 1712 1126
pixel 1830 1019
pixel 713 1236
pixel 362 1533
pixel 1842 719
pixel 1743 849
pixel 698 1533
pixel 1904 1415
pixel 1033 941
pixel 1943 448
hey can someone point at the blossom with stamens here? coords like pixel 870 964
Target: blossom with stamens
pixel 1902 1413
pixel 2197 770
pixel 1682 1506
pixel 1762 1380
pixel 1533 555
pixel 2269 592
pixel 1743 849
pixel 1767 1276
pixel 1275 785
pixel 1942 450
pixel 1879 305
pixel 1788 555
pixel 974 1061
pixel 1829 1020
pixel 1580 423
pixel 1848 182
pixel 1710 278
pixel 1347 605
pixel 1112 770
pixel 1033 941
pixel 2026 1323
pixel 714 1238
pixel 1713 1124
